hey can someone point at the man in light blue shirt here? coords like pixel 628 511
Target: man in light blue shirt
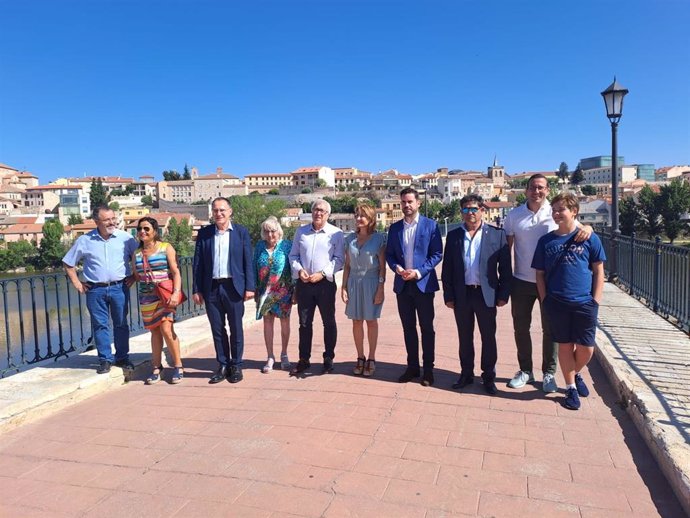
pixel 316 256
pixel 476 277
pixel 106 253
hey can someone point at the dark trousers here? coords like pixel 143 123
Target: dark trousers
pixel 309 297
pixel 225 303
pixel 523 295
pixel 465 313
pixel 413 303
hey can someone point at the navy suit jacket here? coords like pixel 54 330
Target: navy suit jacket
pixel 428 250
pixel 241 263
pixel 495 270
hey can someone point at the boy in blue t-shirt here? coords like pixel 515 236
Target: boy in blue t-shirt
pixel 570 282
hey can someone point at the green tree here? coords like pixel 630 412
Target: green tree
pixel 432 210
pixel 147 200
pixel 650 211
pixel 16 254
pixel 75 219
pixel 186 175
pixel 342 204
pixel 320 182
pixel 113 205
pixel 495 198
pixel 674 201
pixel 563 171
pixel 450 211
pixel 307 190
pixel 171 176
pixel 251 211
pixel 97 196
pixel 578 176
pixel 273 192
pixel 179 235
pixel 520 199
pixel 51 250
pixel 589 190
pixel 628 215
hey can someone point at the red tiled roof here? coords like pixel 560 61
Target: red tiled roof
pixel 263 175
pixel 23 228
pixel 217 176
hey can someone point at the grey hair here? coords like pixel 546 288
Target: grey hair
pixel 273 223
pixel 323 203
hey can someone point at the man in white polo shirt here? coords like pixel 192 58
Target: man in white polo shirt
pixel 524 225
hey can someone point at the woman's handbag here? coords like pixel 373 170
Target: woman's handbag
pixel 164 289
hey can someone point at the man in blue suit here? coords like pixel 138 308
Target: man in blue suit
pixel 413 250
pixel 476 277
pixel 224 279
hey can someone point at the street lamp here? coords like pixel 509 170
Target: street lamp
pixel 613 100
pixel 445 221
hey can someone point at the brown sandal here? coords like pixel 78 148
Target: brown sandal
pixel 359 368
pixel 370 368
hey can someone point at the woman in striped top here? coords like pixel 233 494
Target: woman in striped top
pixel 158 316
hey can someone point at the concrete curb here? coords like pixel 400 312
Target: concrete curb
pixel 665 442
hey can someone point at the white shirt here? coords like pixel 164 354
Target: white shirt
pixel 527 227
pixel 221 251
pixel 472 245
pixel 317 251
pixel 409 233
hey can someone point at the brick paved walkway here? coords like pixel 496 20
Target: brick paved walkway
pixel 335 445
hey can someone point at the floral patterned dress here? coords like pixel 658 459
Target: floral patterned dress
pixel 274 284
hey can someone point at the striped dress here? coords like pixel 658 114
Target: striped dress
pixel 153 311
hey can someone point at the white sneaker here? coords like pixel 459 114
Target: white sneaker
pixel 521 379
pixel 549 383
pixel 269 365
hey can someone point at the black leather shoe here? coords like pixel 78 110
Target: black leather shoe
pixel 327 365
pixel 219 376
pixel 124 364
pixel 428 379
pixel 490 387
pixel 408 375
pixel 103 367
pixel 302 365
pixel 463 381
pixel 235 374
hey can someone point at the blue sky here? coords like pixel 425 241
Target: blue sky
pixel 137 87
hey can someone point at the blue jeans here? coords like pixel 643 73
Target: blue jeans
pixel 104 303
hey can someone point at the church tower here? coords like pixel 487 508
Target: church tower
pixel 497 173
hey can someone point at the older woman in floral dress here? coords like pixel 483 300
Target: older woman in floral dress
pixel 274 288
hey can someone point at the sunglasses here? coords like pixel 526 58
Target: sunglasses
pixel 145 229
pixel 470 210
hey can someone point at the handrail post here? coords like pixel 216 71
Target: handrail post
pixel 632 263
pixel 657 271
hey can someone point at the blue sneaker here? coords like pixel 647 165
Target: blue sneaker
pixel 581 387
pixel 572 399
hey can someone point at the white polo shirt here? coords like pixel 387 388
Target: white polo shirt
pixel 527 227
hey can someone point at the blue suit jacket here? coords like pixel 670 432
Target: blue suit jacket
pixel 495 270
pixel 241 263
pixel 428 250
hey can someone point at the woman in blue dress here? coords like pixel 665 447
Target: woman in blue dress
pixel 364 276
pixel 274 288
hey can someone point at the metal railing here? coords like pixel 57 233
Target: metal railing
pixel 654 272
pixel 46 318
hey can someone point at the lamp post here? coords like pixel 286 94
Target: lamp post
pixel 445 221
pixel 613 100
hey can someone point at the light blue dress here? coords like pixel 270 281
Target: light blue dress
pixel 364 276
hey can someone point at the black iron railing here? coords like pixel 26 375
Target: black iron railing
pixel 654 272
pixel 46 318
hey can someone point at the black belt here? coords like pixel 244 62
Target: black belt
pixel 106 284
pixel 224 280
pixel 473 286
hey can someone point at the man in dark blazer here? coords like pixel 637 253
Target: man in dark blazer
pixel 413 250
pixel 476 277
pixel 224 279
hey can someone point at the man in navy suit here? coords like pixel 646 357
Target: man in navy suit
pixel 413 250
pixel 476 277
pixel 224 279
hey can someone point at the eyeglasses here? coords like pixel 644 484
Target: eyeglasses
pixel 470 210
pixel 320 210
pixel 144 229
pixel 537 188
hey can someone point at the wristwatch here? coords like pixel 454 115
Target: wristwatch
pixel 381 280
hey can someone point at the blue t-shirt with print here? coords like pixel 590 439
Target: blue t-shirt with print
pixel 568 265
